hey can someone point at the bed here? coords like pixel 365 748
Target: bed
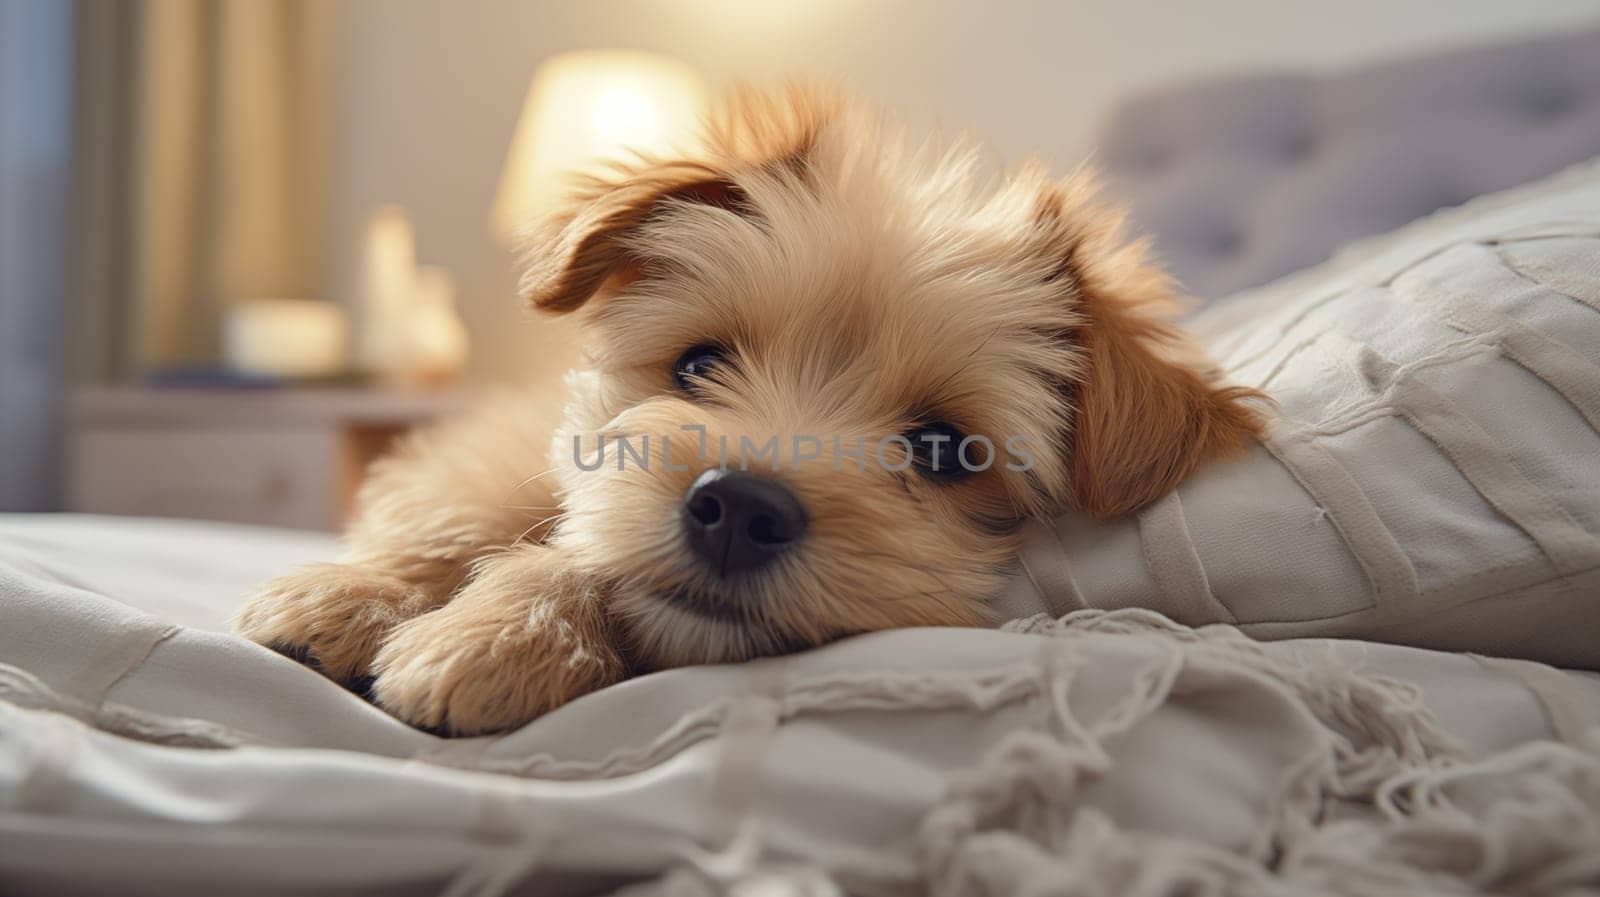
pixel 1370 675
pixel 145 751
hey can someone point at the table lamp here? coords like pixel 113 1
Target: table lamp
pixel 584 108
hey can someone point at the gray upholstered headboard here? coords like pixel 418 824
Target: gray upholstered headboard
pixel 1247 179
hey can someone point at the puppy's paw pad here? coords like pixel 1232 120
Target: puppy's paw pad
pixel 362 686
pixel 300 654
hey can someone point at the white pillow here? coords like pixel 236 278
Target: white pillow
pixel 1432 476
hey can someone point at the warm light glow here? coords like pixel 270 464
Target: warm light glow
pixel 582 109
pixel 620 115
pixel 284 338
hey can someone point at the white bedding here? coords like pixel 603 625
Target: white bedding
pixel 961 760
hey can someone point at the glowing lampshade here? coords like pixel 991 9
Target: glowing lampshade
pixel 584 108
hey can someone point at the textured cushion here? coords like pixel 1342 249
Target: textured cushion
pixel 1432 475
pixel 1244 180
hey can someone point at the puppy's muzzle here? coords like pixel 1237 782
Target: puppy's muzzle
pixel 738 521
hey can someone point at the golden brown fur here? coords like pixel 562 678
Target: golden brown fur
pixel 860 286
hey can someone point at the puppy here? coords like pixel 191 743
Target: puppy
pixel 827 376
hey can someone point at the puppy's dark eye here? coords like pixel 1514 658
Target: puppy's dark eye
pixel 694 366
pixel 935 449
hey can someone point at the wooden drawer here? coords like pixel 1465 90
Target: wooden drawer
pixel 275 476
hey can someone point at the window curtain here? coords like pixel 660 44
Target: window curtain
pixel 201 134
pixel 35 156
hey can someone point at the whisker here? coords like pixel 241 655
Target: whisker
pixel 543 473
pixel 962 368
pixel 536 524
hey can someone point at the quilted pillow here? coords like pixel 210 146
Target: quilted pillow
pixel 1432 474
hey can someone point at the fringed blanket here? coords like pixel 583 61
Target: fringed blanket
pixel 1107 752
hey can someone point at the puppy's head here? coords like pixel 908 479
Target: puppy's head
pixel 832 373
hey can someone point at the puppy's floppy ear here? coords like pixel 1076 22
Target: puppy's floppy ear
pixel 1147 408
pixel 589 245
pixel 751 131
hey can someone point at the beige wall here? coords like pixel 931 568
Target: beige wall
pixel 427 91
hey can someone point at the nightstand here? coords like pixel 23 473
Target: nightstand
pixel 280 457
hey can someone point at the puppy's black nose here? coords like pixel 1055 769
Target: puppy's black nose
pixel 739 521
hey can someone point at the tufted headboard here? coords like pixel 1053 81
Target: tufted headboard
pixel 1246 179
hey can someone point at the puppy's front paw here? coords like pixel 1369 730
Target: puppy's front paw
pixel 493 659
pixel 330 617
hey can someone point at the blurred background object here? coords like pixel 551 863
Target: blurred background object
pixel 269 456
pixel 410 333
pixel 585 108
pixel 289 339
pixel 35 178
pixel 176 170
pixel 1247 178
pixel 202 137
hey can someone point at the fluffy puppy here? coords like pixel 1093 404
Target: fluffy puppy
pixel 791 337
